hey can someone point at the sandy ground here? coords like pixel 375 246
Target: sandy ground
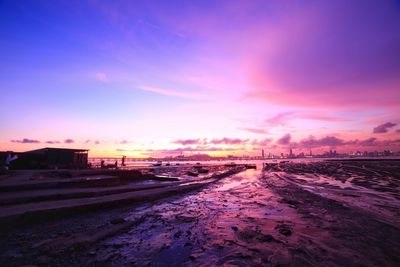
pixel 292 214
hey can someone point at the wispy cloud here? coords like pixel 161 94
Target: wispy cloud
pixel 228 141
pixel 53 142
pixel 333 142
pixel 26 141
pixel 279 119
pixel 179 149
pixel 188 141
pixel 96 142
pixel 330 141
pixel 304 65
pixel 123 142
pixel 283 118
pixel 171 92
pixel 129 150
pixel 262 142
pixel 101 76
pixel 215 141
pixel 384 128
pixel 284 140
pixel 372 141
pixel 69 141
pixel 254 130
pixel 323 118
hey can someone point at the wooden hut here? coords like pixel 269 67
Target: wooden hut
pixel 51 158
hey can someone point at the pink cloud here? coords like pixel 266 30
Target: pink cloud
pixel 324 118
pixel 372 141
pixel 384 128
pixel 284 140
pixel 261 143
pixel 26 141
pixel 254 130
pixel 53 142
pixel 204 143
pixel 330 141
pixel 187 141
pixel 280 119
pixel 328 54
pixel 178 150
pixel 197 149
pixel 228 141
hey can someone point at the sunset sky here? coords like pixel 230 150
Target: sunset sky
pixel 156 78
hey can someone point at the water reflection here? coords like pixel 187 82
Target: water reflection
pixel 228 222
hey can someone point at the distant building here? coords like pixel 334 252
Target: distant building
pixel 263 154
pixel 291 153
pixel 50 158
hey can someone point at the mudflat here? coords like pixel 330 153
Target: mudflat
pixel 328 213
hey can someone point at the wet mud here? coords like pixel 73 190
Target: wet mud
pixel 290 214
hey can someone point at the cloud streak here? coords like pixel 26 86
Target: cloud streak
pixel 52 142
pixel 172 92
pixel 188 142
pixel 328 55
pixel 312 142
pixel 254 130
pixel 215 141
pixel 228 141
pixel 26 141
pixel 383 128
pixel 284 140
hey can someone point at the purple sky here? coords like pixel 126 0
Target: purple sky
pixel 145 78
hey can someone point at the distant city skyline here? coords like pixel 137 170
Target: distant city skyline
pixel 168 78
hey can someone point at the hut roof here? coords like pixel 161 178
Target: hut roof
pixel 46 149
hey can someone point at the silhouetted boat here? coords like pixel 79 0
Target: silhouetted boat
pixel 250 166
pixel 202 171
pixel 159 163
pixel 165 178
